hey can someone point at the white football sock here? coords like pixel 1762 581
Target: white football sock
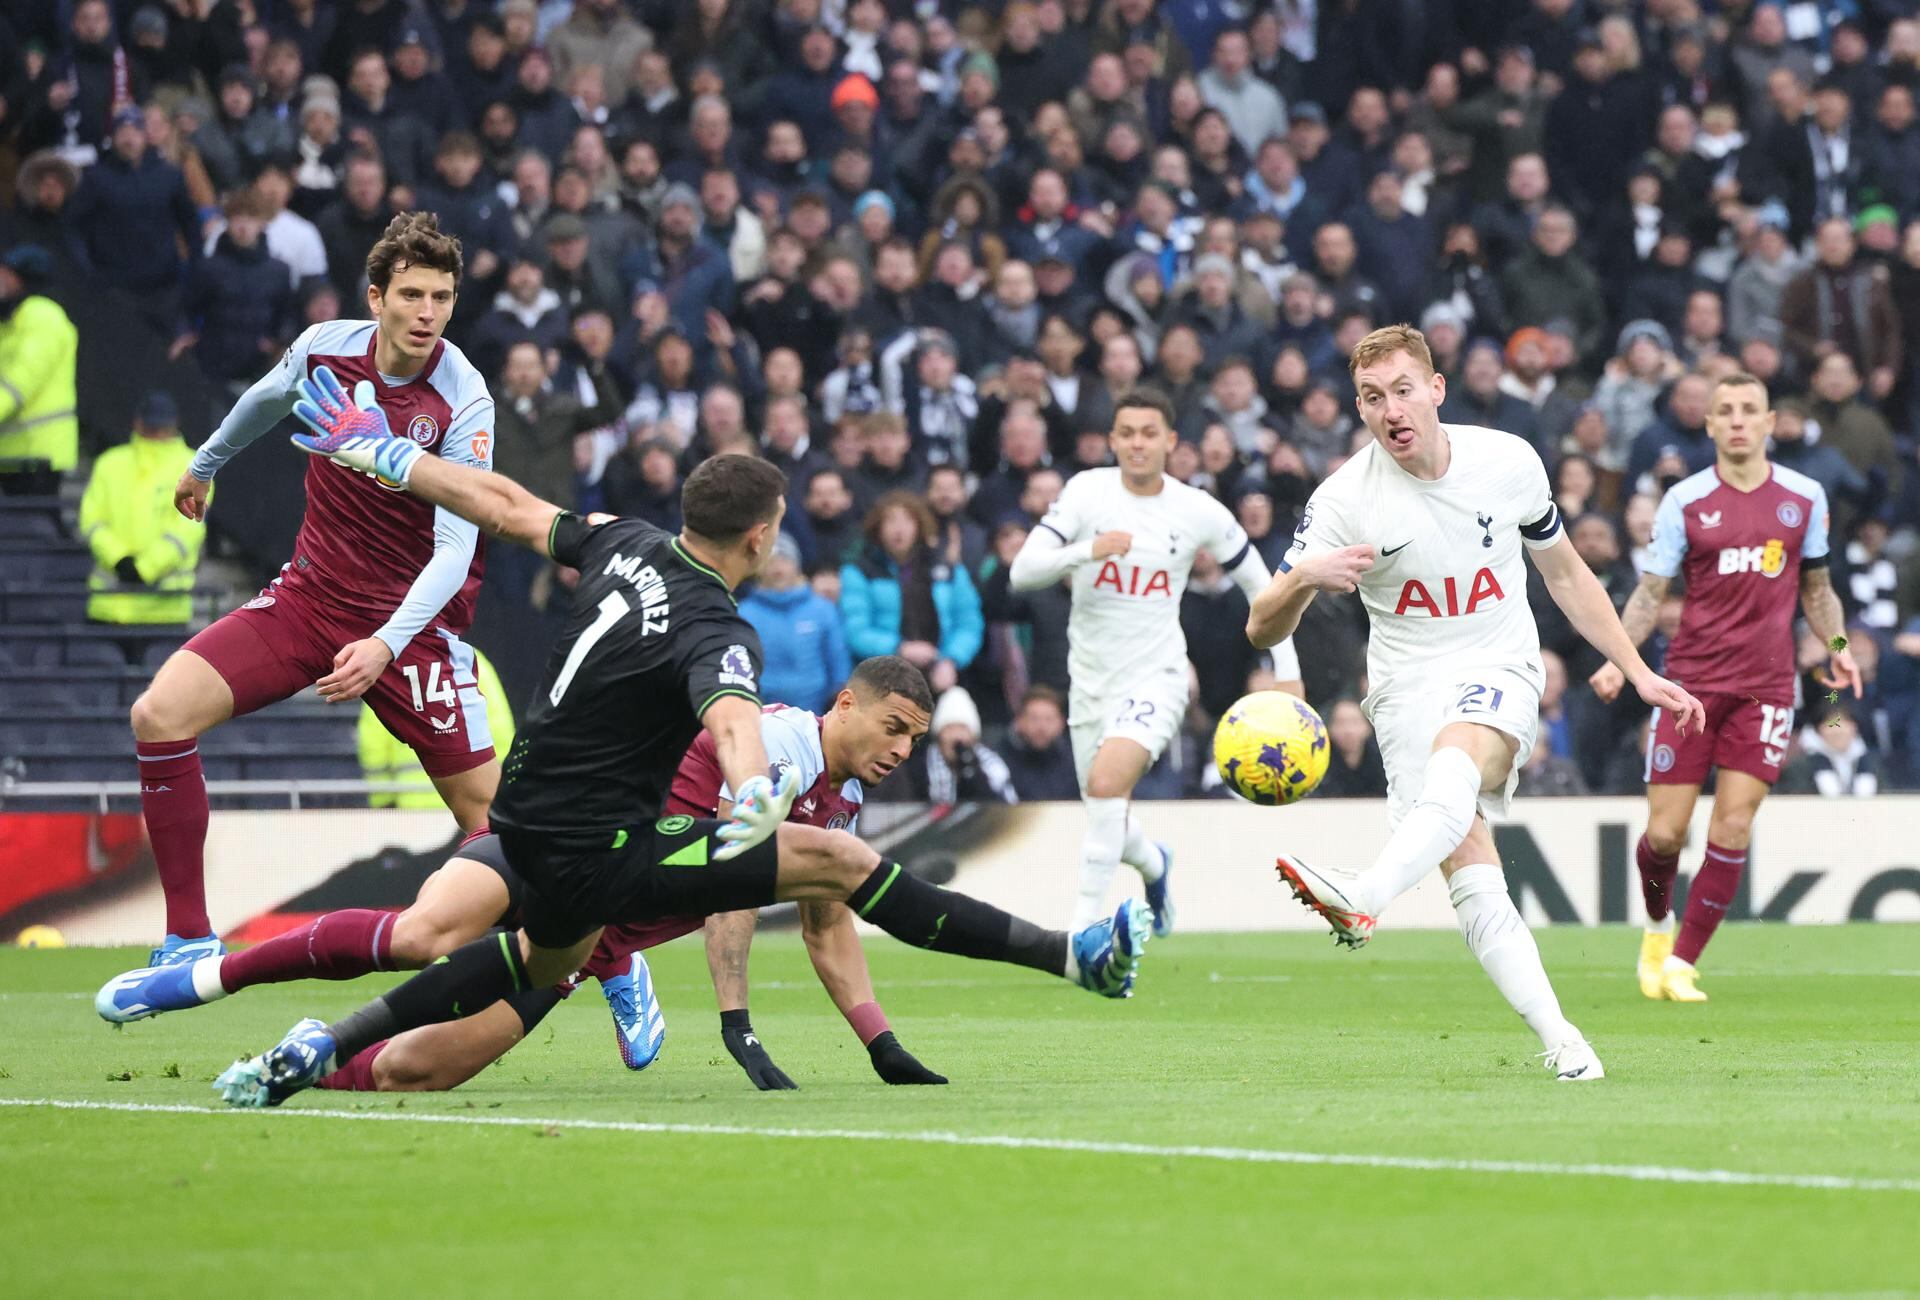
pixel 1663 926
pixel 1099 855
pixel 206 979
pixel 1142 854
pixel 1499 937
pixel 1432 829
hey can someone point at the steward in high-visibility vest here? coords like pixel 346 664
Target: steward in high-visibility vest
pixel 38 348
pixel 144 551
pixel 382 758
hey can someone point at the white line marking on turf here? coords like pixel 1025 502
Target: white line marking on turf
pixel 1242 1155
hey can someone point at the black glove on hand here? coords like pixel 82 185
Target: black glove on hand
pixel 895 1064
pixel 737 1033
pixel 127 571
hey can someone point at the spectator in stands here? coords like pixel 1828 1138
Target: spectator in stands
pixel 1642 367
pixel 353 224
pixel 1551 281
pixel 1478 399
pixel 962 541
pixel 1843 304
pixel 1760 281
pixel 376 125
pixel 538 421
pixel 386 760
pixel 39 431
pixel 831 520
pixel 1841 764
pixel 469 207
pixel 252 134
pixel 43 190
pixel 82 88
pixel 1354 766
pixel 1676 444
pixel 1851 427
pixel 525 310
pixel 644 481
pixel 144 551
pixel 806 656
pixel 957 767
pixel 129 208
pixel 1254 109
pixel 902 597
pixel 1039 759
pixel 239 303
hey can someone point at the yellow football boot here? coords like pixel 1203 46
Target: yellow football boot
pixel 1655 948
pixel 1677 981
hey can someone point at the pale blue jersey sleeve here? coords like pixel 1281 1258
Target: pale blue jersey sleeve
pixel 792 741
pixel 1815 545
pixel 269 401
pixel 1669 546
pixel 469 441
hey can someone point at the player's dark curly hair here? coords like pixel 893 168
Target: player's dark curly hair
pixel 885 675
pixel 413 239
pixel 727 495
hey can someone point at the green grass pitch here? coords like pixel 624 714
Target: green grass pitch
pixel 1806 1063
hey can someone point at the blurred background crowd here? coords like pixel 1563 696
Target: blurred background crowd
pixel 912 251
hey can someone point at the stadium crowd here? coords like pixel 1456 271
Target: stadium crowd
pixel 913 252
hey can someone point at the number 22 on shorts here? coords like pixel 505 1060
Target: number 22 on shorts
pixel 1133 713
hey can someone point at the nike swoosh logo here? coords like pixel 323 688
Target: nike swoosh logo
pixel 1396 550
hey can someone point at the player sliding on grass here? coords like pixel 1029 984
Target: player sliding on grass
pixel 1454 657
pixel 378 592
pixel 1751 538
pixel 1127 537
pixel 653 651
pixel 869 731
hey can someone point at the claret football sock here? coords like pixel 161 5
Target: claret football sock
pixel 173 798
pixel 926 916
pixel 1657 874
pixel 1499 938
pixel 340 945
pixel 1100 854
pixel 356 1075
pixel 1432 829
pixel 1711 894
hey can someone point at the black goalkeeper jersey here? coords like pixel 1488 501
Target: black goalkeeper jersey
pixel 652 639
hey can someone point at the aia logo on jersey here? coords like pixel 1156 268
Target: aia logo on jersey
pixel 1770 559
pixel 1483 590
pixel 423 429
pixel 1156 584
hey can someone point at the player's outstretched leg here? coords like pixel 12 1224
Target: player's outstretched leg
pixel 1499 938
pixel 1433 828
pixel 340 945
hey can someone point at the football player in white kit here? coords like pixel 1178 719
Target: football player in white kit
pixel 1128 536
pixel 1428 522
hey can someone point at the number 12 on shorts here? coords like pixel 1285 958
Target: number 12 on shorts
pixel 437 691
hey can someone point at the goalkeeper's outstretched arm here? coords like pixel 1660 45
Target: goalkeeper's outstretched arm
pixel 500 506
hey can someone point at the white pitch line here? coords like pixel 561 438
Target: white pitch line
pixel 1000 1141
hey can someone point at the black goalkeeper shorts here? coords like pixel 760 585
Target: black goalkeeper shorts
pixel 573 884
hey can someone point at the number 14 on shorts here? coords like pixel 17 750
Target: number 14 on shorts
pixel 438 691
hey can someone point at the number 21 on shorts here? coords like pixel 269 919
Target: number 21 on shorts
pixel 1479 699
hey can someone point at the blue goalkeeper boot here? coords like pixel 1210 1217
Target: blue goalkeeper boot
pixel 1108 952
pixel 639 1025
pixel 295 1063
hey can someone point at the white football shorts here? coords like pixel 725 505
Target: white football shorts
pixel 1407 718
pixel 1148 712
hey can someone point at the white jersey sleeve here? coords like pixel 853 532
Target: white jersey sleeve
pixel 792 741
pixel 1540 524
pixel 1070 517
pixel 1326 524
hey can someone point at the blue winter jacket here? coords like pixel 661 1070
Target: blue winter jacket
pixel 870 608
pixel 803 650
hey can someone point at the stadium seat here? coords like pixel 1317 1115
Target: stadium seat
pixel 44 562
pixel 24 603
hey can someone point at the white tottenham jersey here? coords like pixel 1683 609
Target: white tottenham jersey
pixel 1125 623
pixel 1448 583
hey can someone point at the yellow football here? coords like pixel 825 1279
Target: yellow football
pixel 1271 748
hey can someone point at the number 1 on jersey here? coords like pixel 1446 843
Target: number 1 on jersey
pixel 612 609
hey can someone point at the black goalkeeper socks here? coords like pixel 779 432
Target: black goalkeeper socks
pixel 927 916
pixel 466 980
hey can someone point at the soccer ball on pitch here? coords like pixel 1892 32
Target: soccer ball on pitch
pixel 1271 748
pixel 41 936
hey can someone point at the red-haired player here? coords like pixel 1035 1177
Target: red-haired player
pixel 1749 539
